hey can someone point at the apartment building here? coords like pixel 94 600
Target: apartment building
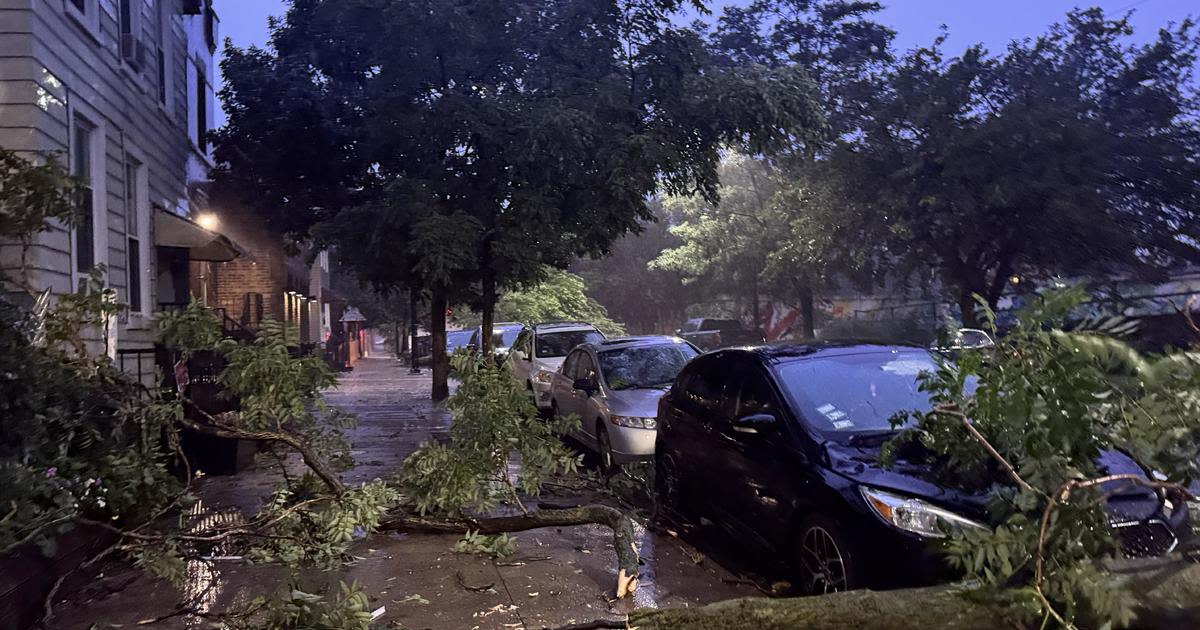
pixel 122 92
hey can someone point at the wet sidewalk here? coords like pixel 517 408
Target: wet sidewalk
pixel 558 576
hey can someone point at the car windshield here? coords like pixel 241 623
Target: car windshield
pixel 458 338
pixel 558 344
pixel 644 366
pixel 504 337
pixel 857 392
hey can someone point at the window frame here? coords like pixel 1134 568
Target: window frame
pixel 139 232
pixel 88 18
pixel 97 182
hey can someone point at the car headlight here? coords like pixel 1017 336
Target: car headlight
pixel 915 515
pixel 543 376
pixel 635 422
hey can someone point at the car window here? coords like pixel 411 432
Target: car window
pixel 702 385
pixel 857 392
pixel 755 396
pixel 644 366
pixel 558 344
pixel 458 338
pixel 568 367
pixel 585 368
pixel 721 324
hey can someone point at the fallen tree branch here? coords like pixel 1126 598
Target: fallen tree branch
pixel 950 410
pixel 315 462
pixel 621 525
pixel 1167 595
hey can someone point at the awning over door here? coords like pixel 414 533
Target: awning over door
pixel 172 230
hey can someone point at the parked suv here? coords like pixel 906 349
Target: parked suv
pixel 781 445
pixel 708 333
pixel 539 350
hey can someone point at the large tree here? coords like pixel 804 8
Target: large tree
pixel 470 143
pixel 1071 154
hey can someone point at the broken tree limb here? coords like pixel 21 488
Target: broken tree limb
pixel 1167 595
pixel 624 541
pixel 311 458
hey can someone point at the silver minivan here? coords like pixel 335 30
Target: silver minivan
pixel 614 387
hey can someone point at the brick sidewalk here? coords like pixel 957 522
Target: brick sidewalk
pixel 558 576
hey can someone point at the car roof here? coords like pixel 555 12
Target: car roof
pixel 633 341
pixel 786 351
pixel 548 326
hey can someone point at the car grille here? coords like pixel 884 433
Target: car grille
pixel 1145 538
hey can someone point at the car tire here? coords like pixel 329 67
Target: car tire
pixel 608 463
pixel 826 561
pixel 668 496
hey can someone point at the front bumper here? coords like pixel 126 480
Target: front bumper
pixel 631 445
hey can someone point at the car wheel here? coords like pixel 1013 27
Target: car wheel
pixel 608 463
pixel 667 495
pixel 825 561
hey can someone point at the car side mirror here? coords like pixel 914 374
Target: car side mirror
pixel 754 423
pixel 586 386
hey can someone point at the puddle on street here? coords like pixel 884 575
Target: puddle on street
pixel 203 583
pixel 646 595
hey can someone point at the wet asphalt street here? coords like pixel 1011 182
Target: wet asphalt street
pixel 558 576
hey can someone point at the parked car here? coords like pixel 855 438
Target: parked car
pixel 780 445
pixel 540 350
pixel 708 334
pixel 614 387
pixel 503 336
pixel 456 339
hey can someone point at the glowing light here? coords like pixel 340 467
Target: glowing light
pixel 208 221
pixel 1015 279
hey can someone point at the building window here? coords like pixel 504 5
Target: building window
pixel 135 223
pixel 85 227
pixel 86 13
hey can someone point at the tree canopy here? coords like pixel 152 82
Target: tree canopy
pixel 1069 154
pixel 467 144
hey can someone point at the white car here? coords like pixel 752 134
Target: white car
pixel 539 351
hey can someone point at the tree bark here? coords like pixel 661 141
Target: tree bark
pixel 624 537
pixel 1166 596
pixel 488 315
pixel 966 308
pixel 437 339
pixel 807 312
pixel 754 308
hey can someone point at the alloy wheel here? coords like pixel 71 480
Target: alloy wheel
pixel 607 462
pixel 823 563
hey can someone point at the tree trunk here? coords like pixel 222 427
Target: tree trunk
pixel 413 296
pixel 966 308
pixel 624 537
pixel 488 316
pixel 807 312
pixel 1165 596
pixel 754 308
pixel 437 341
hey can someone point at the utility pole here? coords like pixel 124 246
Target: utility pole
pixel 412 332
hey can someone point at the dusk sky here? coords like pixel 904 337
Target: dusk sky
pixel 992 22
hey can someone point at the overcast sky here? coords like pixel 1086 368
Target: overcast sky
pixel 993 22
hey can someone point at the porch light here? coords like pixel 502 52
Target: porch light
pixel 208 221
